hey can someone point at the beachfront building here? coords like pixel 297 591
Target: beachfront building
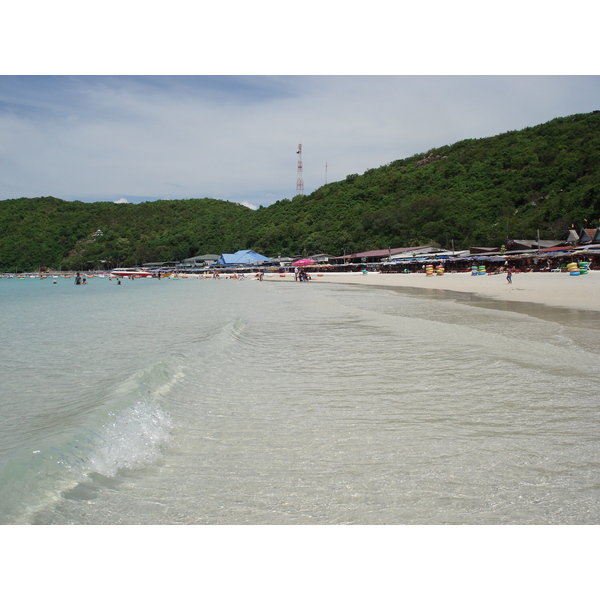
pixel 157 266
pixel 198 262
pixel 423 252
pixel 195 262
pixel 517 246
pixel 589 236
pixel 573 237
pixel 242 258
pixel 322 258
pixel 282 261
pixel 532 244
pixel 584 237
pixel 377 256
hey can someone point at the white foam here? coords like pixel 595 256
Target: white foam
pixel 133 439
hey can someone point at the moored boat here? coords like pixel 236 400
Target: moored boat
pixel 131 273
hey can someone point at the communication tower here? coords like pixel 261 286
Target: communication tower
pixel 299 177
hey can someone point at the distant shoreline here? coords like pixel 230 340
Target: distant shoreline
pixel 558 290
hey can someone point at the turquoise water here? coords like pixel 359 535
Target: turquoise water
pixel 244 402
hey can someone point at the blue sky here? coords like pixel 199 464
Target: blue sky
pixel 116 138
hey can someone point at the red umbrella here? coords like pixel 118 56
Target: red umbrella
pixel 304 262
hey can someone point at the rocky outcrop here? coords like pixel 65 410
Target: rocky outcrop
pixel 429 159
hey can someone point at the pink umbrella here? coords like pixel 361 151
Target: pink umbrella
pixel 304 262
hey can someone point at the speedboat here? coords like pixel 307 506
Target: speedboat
pixel 131 273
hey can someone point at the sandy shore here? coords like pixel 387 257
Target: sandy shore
pixel 552 289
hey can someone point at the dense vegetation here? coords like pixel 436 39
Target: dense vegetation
pixel 474 192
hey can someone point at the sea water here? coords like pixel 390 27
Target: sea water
pixel 200 401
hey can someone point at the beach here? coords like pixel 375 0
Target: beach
pixel 560 290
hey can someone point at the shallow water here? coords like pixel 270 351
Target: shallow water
pixel 244 402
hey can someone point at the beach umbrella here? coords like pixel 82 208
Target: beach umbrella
pixel 304 262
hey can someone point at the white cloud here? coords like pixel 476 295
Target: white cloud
pixel 121 201
pixel 235 138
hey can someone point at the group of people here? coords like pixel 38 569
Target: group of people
pixel 301 274
pixel 258 276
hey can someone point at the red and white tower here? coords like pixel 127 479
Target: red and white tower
pixel 299 177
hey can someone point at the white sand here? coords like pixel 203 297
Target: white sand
pixel 553 289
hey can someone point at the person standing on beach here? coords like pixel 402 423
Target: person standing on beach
pixel 509 275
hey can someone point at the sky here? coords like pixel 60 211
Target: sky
pixel 139 138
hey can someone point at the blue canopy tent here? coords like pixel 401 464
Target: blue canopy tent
pixel 242 258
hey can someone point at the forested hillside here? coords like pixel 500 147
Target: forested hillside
pixel 50 232
pixel 474 192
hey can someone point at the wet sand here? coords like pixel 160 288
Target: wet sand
pixel 560 290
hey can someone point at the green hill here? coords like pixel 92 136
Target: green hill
pixel 50 232
pixel 474 192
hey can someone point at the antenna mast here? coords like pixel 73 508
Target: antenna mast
pixel 299 177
